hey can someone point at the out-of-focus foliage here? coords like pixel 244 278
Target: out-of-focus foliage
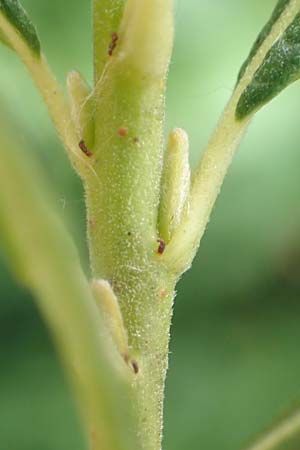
pixel 235 361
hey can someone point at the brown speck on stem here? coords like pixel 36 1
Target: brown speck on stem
pixel 163 293
pixel 122 131
pixel 84 148
pixel 113 43
pixel 135 366
pixel 131 362
pixel 161 246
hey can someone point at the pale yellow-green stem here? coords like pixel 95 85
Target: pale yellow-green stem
pixel 51 92
pixel 283 436
pixel 209 175
pixel 82 108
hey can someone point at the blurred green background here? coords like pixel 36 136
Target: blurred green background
pixel 234 361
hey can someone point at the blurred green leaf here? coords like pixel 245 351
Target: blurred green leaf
pixel 43 257
pixel 284 435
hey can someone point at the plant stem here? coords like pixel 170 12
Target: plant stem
pixel 123 199
pixel 107 15
pixel 122 213
pixel 206 184
pixel 52 94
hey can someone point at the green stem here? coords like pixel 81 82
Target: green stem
pixel 107 15
pixel 123 200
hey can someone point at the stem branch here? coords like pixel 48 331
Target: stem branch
pixel 212 169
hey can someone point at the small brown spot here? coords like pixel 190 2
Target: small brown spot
pixel 136 140
pixel 84 148
pixel 129 233
pixel 113 43
pixel 161 246
pixel 163 293
pixel 123 131
pixel 135 366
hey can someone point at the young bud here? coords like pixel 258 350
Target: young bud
pixel 175 183
pixel 147 39
pixel 110 310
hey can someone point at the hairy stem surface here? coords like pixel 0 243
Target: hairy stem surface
pixel 123 199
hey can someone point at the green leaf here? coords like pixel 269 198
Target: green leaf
pixel 279 9
pixel 280 67
pixel 13 12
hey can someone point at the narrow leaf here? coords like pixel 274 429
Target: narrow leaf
pixel 14 14
pixel 279 9
pixel 285 435
pixel 43 257
pixel 280 67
